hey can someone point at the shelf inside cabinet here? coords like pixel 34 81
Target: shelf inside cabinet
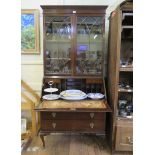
pixel 125 14
pixel 127 18
pixel 58 41
pixel 58 73
pixel 126 69
pixel 127 26
pixel 91 41
pixel 89 59
pixel 127 38
pixel 57 22
pixel 125 90
pixel 125 118
pixel 58 58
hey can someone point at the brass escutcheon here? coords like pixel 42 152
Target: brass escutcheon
pixel 54 114
pixel 92 115
pixel 54 125
pixel 91 125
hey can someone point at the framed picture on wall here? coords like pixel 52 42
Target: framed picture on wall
pixel 30 31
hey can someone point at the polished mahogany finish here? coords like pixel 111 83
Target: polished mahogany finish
pixel 73 47
pixel 72 115
pixel 85 116
pixel 73 42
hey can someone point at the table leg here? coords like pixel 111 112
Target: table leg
pixel 42 139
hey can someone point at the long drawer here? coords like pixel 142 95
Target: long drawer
pixel 73 125
pixel 72 115
pixel 124 136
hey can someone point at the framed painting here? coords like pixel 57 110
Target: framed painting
pixel 30 31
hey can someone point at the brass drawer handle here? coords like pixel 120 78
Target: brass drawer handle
pixel 53 114
pixel 92 115
pixel 91 125
pixel 54 125
pixel 129 140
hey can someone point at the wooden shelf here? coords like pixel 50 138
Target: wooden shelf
pixel 127 26
pixel 49 73
pixel 57 22
pixel 58 41
pixel 125 90
pixel 58 58
pixel 127 14
pixel 89 59
pixel 69 41
pixel 82 41
pixel 124 118
pixel 126 69
pixel 127 38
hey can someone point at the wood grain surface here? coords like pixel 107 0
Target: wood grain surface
pixel 68 144
pixel 74 104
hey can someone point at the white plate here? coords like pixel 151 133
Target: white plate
pixel 51 97
pixel 73 93
pixel 95 96
pixel 74 98
pixel 50 90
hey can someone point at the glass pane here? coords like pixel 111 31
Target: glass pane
pixel 89 45
pixel 58 45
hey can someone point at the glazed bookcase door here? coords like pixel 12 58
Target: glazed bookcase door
pixel 89 53
pixel 57 45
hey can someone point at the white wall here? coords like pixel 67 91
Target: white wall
pixel 32 65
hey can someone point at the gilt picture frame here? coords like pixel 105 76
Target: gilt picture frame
pixel 30 31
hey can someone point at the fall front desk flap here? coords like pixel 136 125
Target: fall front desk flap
pixel 55 104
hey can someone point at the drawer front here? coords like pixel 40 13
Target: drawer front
pixel 72 115
pixel 124 138
pixel 73 125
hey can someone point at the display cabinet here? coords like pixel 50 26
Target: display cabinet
pixel 73 60
pixel 73 40
pixel 120 77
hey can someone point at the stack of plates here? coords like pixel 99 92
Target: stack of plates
pixel 95 96
pixel 73 94
pixel 51 97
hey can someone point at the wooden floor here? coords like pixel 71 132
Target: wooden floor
pixel 60 144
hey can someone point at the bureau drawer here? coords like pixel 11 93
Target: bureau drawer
pixel 73 125
pixel 72 115
pixel 124 138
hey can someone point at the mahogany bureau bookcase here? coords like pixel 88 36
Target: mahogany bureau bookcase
pixel 73 50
